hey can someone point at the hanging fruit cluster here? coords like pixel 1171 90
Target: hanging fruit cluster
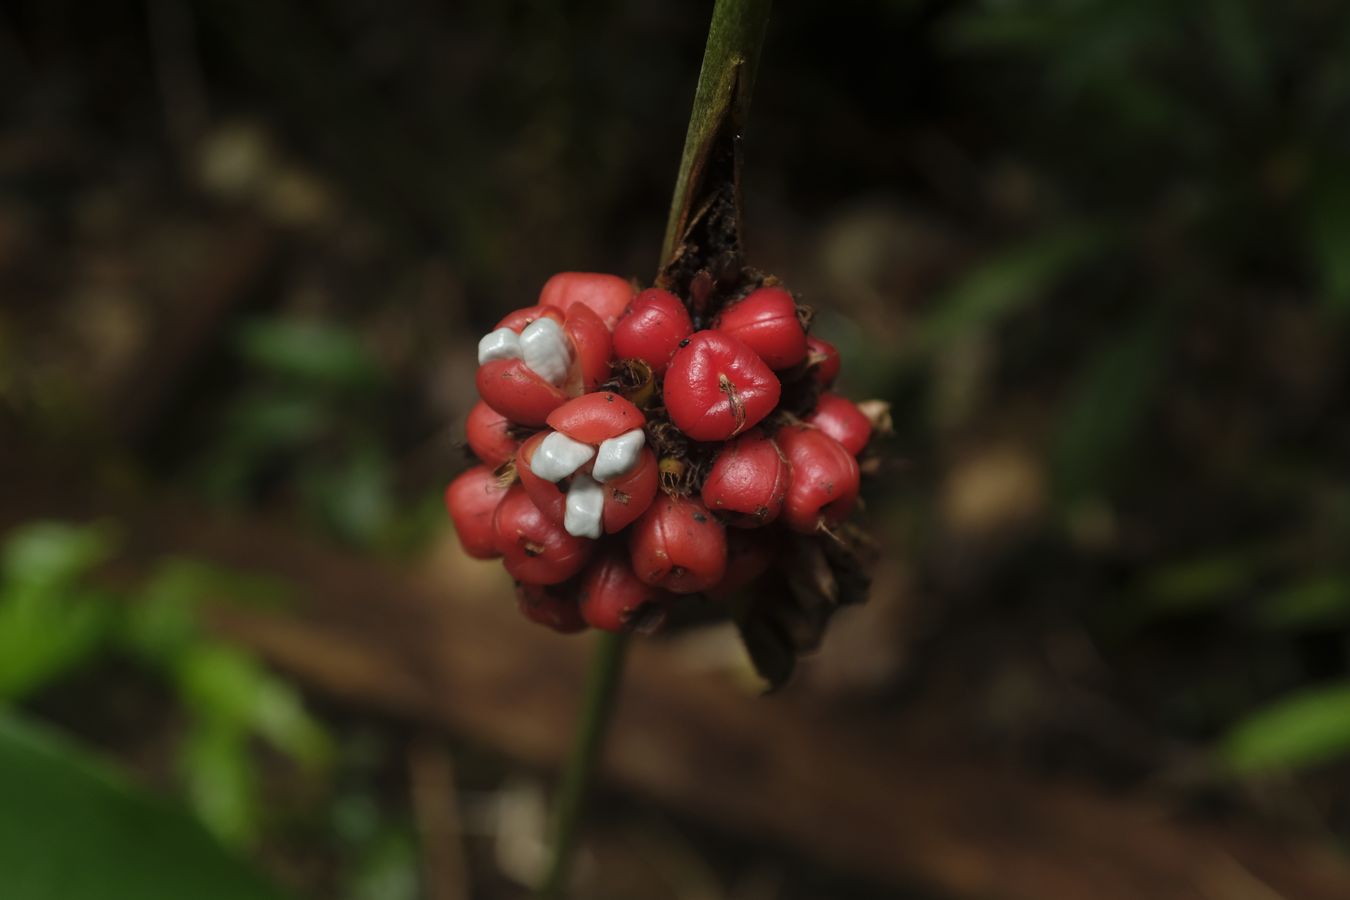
pixel 636 448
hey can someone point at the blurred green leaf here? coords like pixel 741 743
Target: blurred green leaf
pixel 387 868
pixel 258 428
pixel 1317 601
pixel 50 623
pixel 279 716
pixel 1305 728
pixel 316 352
pixel 163 622
pixel 233 698
pixel 1234 28
pixel 47 554
pixel 45 634
pixel 1328 222
pixel 1005 283
pixel 983 29
pixel 218 772
pixel 71 829
pixel 1198 583
pixel 1106 405
pixel 354 497
pixel 355 814
pixel 223 684
pixel 1185 588
pixel 267 421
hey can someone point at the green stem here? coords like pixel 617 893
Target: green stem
pixel 721 104
pixel 725 83
pixel 602 688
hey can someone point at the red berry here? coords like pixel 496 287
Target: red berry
pixel 547 496
pixel 607 295
pixel 612 598
pixel 472 499
pixel 593 418
pixel 510 388
pixel 652 329
pixel 534 548
pixel 717 387
pixel 749 554
pixel 517 320
pixel 823 359
pixel 766 320
pixel 839 418
pixel 593 345
pixel 554 606
pixel 678 545
pixel 488 435
pixel 749 479
pixel 629 496
pixel 825 478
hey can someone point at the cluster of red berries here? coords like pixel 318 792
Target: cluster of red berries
pixel 627 458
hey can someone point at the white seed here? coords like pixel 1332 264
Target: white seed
pixel 500 344
pixel 585 507
pixel 546 350
pixel 558 456
pixel 618 455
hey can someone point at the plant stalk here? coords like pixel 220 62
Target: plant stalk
pixel 721 105
pixel 602 688
pixel 721 101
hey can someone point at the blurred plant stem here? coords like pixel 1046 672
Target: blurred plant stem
pixel 602 688
pixel 721 101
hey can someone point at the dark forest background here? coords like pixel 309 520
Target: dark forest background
pixel 1096 254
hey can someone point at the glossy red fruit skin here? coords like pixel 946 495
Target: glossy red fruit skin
pixel 488 435
pixel 716 387
pixel 766 321
pixel 510 388
pixel 593 418
pixel 546 495
pixel 842 420
pixel 517 320
pixel 612 598
pixel 823 358
pixel 593 345
pixel 629 496
pixel 553 606
pixel 748 482
pixel 607 295
pixel 749 555
pixel 825 478
pixel 679 546
pixel 472 500
pixel 652 328
pixel 534 548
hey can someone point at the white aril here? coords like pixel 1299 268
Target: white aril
pixel 618 455
pixel 585 507
pixel 546 350
pixel 500 344
pixel 558 456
